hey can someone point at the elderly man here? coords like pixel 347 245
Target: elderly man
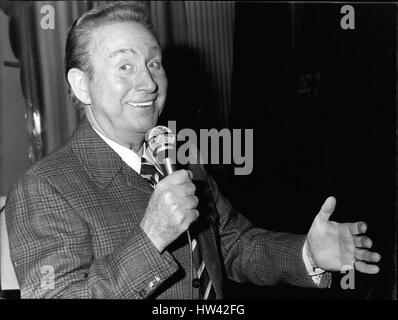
pixel 87 219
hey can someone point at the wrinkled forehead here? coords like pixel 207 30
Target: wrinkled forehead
pixel 118 36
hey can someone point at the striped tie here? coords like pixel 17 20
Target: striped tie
pixel 203 281
pixel 149 173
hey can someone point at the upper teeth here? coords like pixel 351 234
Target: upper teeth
pixel 142 104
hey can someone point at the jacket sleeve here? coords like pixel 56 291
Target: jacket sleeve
pixel 53 258
pixel 257 255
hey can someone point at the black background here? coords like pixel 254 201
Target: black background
pixel 321 101
pixel 334 135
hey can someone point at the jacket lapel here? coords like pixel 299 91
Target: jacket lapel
pixel 98 159
pixel 101 162
pixel 136 181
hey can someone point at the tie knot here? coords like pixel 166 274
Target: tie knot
pixel 147 168
pixel 149 172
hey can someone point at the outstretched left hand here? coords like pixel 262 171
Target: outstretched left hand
pixel 334 246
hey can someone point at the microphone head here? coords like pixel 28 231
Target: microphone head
pixel 161 146
pixel 160 138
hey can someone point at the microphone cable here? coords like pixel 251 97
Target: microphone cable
pixel 190 263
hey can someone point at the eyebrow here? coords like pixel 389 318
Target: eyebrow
pixel 153 51
pixel 121 51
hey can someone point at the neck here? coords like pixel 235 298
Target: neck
pixel 136 146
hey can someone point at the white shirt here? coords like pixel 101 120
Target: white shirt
pixel 130 157
pixel 133 160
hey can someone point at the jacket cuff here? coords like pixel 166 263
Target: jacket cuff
pixel 145 265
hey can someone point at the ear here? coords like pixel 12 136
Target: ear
pixel 79 84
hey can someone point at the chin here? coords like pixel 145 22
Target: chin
pixel 141 123
pixel 144 127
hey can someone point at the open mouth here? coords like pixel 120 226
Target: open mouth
pixel 141 104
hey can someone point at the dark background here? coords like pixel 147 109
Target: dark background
pixel 334 135
pixel 321 101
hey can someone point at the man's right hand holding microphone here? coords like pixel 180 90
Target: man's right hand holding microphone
pixel 171 209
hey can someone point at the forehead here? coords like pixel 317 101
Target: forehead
pixel 121 37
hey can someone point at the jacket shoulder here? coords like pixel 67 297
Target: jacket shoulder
pixel 60 168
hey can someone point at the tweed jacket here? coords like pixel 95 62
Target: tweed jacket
pixel 73 225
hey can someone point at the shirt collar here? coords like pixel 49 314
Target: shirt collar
pixel 130 157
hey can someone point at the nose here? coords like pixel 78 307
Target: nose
pixel 145 81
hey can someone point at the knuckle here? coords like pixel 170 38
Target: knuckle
pixel 193 215
pixel 184 173
pixel 190 188
pixel 191 202
pixel 168 196
pixel 179 217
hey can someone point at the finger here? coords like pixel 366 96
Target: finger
pixel 177 177
pixel 366 268
pixel 191 216
pixel 363 242
pixel 365 255
pixel 327 209
pixel 190 202
pixel 185 189
pixel 357 227
pixel 194 214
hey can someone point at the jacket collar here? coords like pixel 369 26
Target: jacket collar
pixel 98 159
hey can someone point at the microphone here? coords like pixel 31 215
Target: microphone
pixel 161 144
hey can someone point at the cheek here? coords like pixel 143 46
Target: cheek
pixel 112 90
pixel 119 86
pixel 162 98
pixel 160 79
pixel 162 86
pixel 164 82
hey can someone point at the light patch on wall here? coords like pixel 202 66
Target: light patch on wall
pixel 14 159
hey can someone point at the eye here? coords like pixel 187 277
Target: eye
pixel 156 65
pixel 126 67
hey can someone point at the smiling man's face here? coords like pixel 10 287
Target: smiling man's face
pixel 129 84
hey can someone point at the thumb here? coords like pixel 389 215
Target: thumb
pixel 327 209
